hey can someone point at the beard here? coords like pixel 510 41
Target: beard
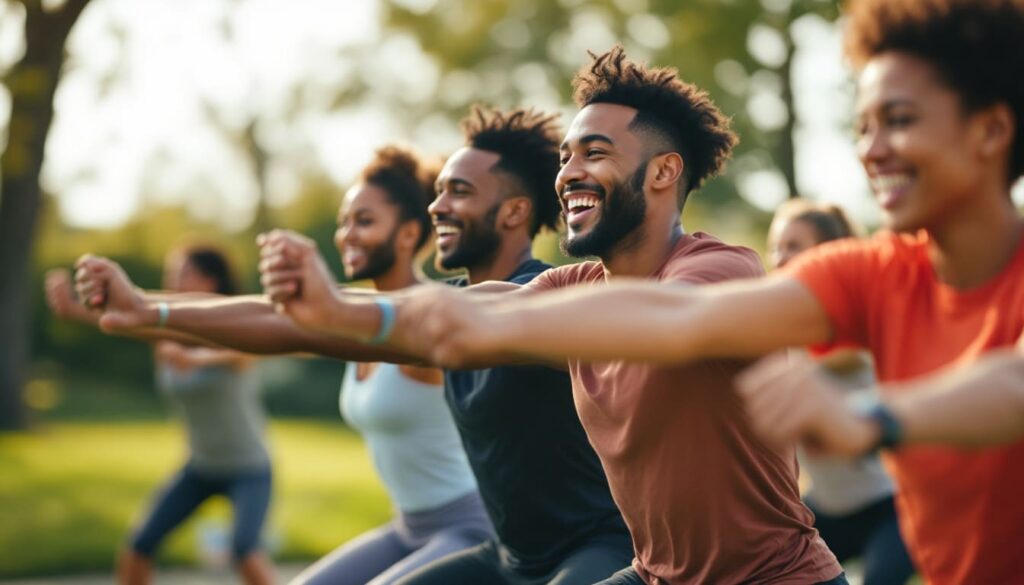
pixel 622 213
pixel 478 243
pixel 379 259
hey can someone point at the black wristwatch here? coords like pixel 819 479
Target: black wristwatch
pixel 891 429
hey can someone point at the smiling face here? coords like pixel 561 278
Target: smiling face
pixel 916 142
pixel 465 209
pixel 367 226
pixel 600 185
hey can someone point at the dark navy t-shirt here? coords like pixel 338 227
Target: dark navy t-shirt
pixel 540 479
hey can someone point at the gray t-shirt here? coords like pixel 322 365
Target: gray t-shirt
pixel 223 416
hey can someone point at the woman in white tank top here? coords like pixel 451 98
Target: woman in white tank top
pixel 399 409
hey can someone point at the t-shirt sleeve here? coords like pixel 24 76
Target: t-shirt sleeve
pixel 560 277
pixel 715 266
pixel 839 274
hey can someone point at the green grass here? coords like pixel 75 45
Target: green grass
pixel 70 491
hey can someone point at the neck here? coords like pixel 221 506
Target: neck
pixel 513 251
pixel 400 276
pixel 977 243
pixel 645 251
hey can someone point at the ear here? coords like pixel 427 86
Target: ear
pixel 997 127
pixel 408 235
pixel 665 171
pixel 515 212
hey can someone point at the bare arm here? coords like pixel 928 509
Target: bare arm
pixel 644 322
pixel 295 277
pixel 978 406
pixel 247 323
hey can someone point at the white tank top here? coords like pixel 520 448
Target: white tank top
pixel 411 436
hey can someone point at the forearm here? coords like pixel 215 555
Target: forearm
pixel 661 323
pixel 979 406
pixel 250 324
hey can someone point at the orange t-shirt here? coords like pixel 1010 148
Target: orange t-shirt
pixel 705 500
pixel 961 511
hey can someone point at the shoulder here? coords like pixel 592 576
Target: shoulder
pixel 881 251
pixel 569 275
pixel 701 258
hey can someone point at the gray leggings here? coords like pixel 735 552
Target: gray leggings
pixel 385 554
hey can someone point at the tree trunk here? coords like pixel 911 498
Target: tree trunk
pixel 32 83
pixel 786 147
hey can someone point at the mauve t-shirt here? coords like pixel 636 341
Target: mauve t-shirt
pixel 705 500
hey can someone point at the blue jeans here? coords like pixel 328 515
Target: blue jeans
pixel 249 492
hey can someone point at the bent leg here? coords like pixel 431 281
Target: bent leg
pixel 471 566
pixel 357 561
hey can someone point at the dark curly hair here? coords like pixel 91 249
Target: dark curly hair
pixel 680 115
pixel 976 46
pixel 408 179
pixel 527 142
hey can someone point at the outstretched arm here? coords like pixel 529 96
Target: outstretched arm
pixel 295 277
pixel 246 323
pixel 978 406
pixel 642 321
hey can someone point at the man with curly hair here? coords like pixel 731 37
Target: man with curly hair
pixel 541 481
pixel 705 500
pixel 937 297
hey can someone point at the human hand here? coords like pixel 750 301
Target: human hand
pixel 60 297
pixel 296 278
pixel 102 284
pixel 789 399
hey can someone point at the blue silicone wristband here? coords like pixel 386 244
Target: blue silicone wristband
pixel 387 320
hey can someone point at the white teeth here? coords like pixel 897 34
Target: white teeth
pixel 574 202
pixel 444 230
pixel 886 183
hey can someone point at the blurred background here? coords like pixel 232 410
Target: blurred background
pixel 130 124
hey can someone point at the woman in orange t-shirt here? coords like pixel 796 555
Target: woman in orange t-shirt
pixel 940 124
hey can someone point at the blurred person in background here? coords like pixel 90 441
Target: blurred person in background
pixel 216 392
pixel 852 501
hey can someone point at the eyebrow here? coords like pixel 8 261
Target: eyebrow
pixel 890 104
pixel 588 139
pixel 452 181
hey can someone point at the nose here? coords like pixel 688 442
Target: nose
pixel 342 235
pixel 441 204
pixel 873 147
pixel 570 172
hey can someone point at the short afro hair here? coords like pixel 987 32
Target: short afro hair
pixel 976 46
pixel 408 179
pixel 680 113
pixel 527 142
